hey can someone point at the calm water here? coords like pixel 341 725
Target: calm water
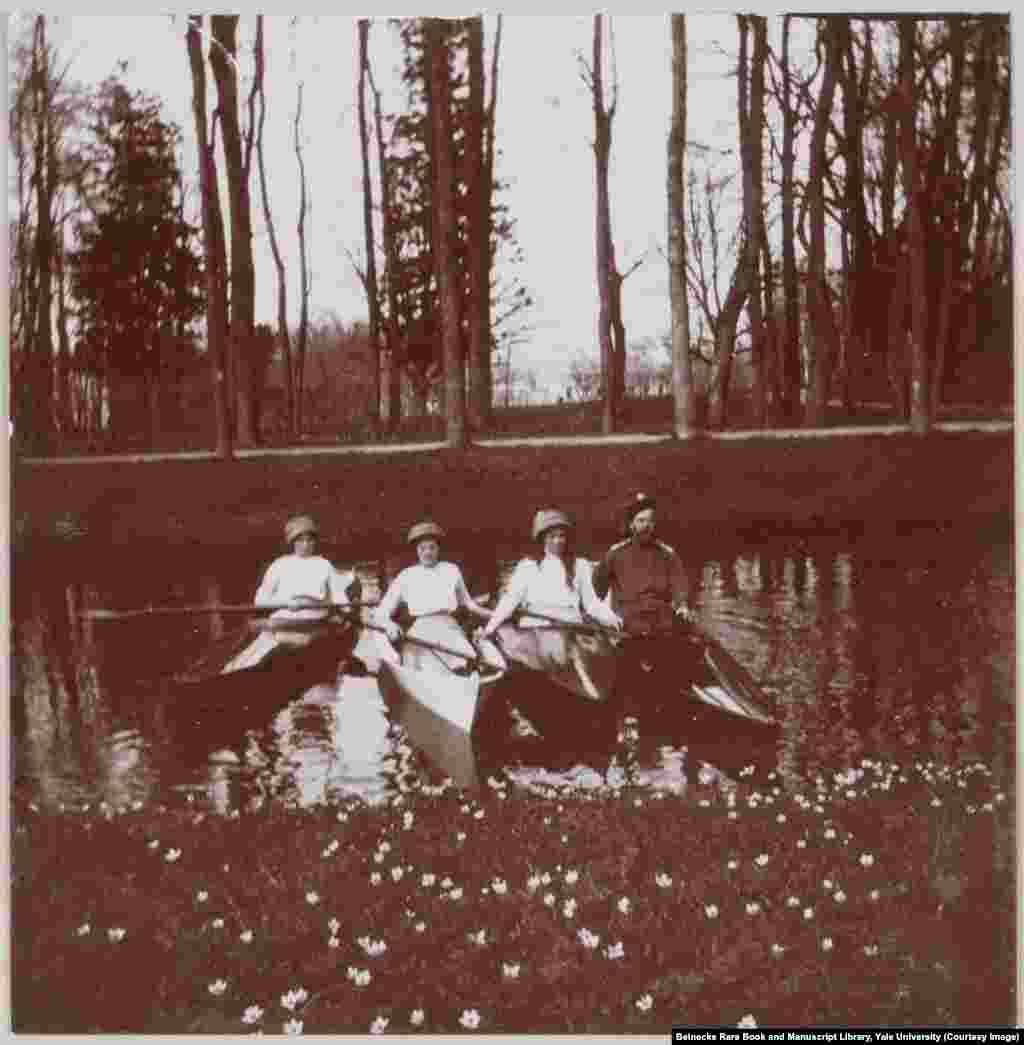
pixel 899 645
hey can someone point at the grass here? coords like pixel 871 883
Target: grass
pixel 876 896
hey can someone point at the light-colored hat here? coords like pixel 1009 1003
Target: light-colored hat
pixel 637 504
pixel 547 518
pixel 298 525
pixel 424 529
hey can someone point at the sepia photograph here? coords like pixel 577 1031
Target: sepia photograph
pixel 511 525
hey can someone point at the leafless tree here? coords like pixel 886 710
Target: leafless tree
pixel 302 336
pixel 213 244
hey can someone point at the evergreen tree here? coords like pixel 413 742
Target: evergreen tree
pixel 136 276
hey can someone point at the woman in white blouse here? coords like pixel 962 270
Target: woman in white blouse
pixel 431 592
pixel 555 583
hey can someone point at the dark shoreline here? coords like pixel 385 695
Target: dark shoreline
pixel 742 488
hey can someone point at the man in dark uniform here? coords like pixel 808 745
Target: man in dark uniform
pixel 649 593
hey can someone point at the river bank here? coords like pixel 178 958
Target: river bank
pixel 755 484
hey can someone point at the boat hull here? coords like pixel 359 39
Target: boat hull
pixel 667 680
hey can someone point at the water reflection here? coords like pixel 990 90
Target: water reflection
pixel 901 646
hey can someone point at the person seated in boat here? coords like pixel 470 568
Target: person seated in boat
pixel 648 585
pixel 553 583
pixel 309 583
pixel 430 592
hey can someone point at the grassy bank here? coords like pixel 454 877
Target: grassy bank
pixel 750 484
pixel 880 896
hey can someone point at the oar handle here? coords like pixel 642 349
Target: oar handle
pixel 438 647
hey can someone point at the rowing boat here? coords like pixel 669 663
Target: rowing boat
pixel 267 661
pixel 439 708
pixel 682 672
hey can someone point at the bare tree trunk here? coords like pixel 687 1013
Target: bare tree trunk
pixel 282 283
pixel 445 261
pixel 373 301
pixel 303 333
pixel 243 278
pixel 790 341
pixel 920 421
pixel 685 422
pixel 603 116
pixel 818 297
pixel 213 246
pixel 478 204
pixel 394 336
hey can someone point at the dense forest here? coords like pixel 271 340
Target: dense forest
pixel 869 257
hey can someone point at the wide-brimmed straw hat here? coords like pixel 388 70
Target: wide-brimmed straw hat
pixel 298 525
pixel 424 529
pixel 546 519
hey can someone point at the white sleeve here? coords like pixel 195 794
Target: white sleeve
pixel 594 607
pixel 269 585
pixel 514 594
pixel 392 597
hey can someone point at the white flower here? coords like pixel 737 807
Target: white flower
pixel 218 987
pixel 202 896
pixel 830 832
pixel 828 884
pixel 808 913
pixel 334 943
pixel 470 1019
pixel 826 943
pixel 478 815
pixel 711 910
pixel 545 878
pixel 624 904
pixel 588 939
pixel 446 883
pixel 292 1027
pixel 874 894
pixel 253 1014
pixel 732 864
pixel 294 998
pixel 615 951
pixel 155 844
pixel 778 950
pixel 396 873
pixel 479 937
pixel 461 836
pixel 747 1021
pixel 312 898
pixel 455 894
pixel 664 881
pixel 384 846
pixel 761 860
pixel 500 886
pixel 375 878
pixel 416 1017
pixel 569 908
pixel 217 923
pixel 334 925
pixel 801 843
pixel 644 1003
pixel 871 949
pixel 379 1025
pixel 753 908
pixel 866 860
pixel 171 855
pixel 420 927
pixel 572 876
pixel 839 896
pixel 510 970
pixel 781 818
pixel 115 935
pixel 84 929
pixel 378 858
pixel 792 901
pixel 533 883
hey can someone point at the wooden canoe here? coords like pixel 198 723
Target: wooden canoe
pixel 274 659
pixel 686 668
pixel 439 710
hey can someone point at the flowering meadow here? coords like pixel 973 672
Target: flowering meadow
pixel 879 895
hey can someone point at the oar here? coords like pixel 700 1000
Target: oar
pixel 437 647
pixel 244 610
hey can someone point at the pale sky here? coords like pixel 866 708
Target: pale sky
pixel 544 130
